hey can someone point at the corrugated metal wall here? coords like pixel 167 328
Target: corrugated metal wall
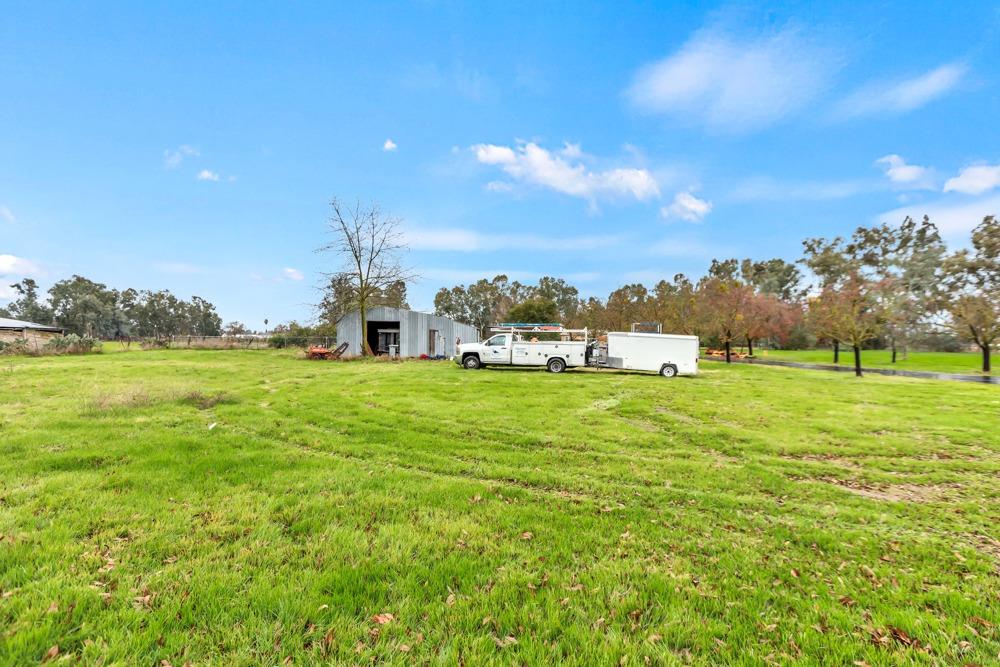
pixel 414 329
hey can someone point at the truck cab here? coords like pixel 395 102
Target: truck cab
pixel 494 350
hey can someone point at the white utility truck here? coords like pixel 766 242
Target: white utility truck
pixel 525 345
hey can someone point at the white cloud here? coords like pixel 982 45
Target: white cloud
pixel 7 293
pixel 571 151
pixel 880 98
pixel 18 266
pixel 903 174
pixel 687 207
pixel 767 189
pixel 207 175
pixel 173 158
pixel 389 146
pixel 6 215
pixel 531 164
pixel 975 180
pixel 467 240
pixel 955 220
pixel 293 274
pixel 732 84
pixel 499 186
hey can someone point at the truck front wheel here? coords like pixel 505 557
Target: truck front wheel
pixel 471 362
pixel 668 370
pixel 556 365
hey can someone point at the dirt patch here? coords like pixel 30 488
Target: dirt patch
pixel 605 404
pixel 206 401
pixel 679 416
pixel 130 397
pixel 899 493
pixel 643 425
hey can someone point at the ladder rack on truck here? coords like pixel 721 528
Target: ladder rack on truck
pixel 558 348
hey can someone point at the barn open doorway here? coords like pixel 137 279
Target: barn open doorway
pixel 381 335
pixel 433 343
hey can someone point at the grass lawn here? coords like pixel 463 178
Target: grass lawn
pixel 240 507
pixel 970 363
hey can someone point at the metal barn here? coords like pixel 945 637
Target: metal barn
pixel 411 333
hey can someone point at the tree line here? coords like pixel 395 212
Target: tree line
pixel 87 308
pixel 888 285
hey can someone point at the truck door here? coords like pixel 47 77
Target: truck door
pixel 498 349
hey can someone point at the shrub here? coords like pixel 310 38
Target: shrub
pixel 71 344
pixel 281 341
pixel 15 347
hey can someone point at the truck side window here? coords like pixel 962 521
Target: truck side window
pixel 497 340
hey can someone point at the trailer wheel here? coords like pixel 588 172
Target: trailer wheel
pixel 668 370
pixel 471 362
pixel 556 365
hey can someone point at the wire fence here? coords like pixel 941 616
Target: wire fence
pixel 247 342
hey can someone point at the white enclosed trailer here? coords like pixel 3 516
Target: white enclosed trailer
pixel 666 354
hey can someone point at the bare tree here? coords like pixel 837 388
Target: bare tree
pixel 368 242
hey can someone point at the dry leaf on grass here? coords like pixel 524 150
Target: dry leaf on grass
pixel 527 535
pixel 382 619
pixel 327 641
pixel 978 620
pixel 51 653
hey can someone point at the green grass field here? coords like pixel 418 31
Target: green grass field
pixel 969 363
pixel 254 508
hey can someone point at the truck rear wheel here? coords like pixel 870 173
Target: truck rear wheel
pixel 471 362
pixel 668 370
pixel 556 365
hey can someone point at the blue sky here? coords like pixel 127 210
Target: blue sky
pixel 195 147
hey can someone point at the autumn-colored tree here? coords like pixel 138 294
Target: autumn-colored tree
pixel 765 316
pixel 830 262
pixel 626 305
pixel 972 281
pixel 723 301
pixel 674 305
pixel 848 312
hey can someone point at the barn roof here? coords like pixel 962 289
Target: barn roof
pixel 393 312
pixel 7 323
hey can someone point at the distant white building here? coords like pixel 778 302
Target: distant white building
pixel 411 332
